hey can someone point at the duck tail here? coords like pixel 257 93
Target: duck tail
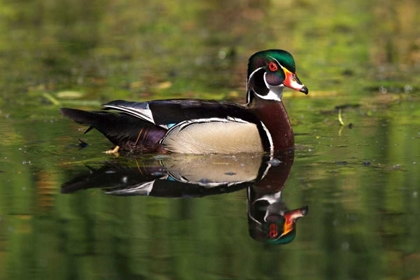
pixel 93 119
pixel 121 129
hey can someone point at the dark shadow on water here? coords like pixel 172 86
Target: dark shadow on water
pixel 188 176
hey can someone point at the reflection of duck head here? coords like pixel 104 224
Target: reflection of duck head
pixel 269 219
pixel 198 176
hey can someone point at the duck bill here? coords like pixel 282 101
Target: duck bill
pixel 291 217
pixel 293 82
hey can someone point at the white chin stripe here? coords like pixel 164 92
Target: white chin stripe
pixel 275 94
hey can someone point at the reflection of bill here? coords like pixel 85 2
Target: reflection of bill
pixel 175 176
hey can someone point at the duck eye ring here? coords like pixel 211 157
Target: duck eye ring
pixel 272 66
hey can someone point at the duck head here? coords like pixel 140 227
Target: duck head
pixel 269 72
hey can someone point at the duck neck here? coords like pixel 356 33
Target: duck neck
pixel 275 118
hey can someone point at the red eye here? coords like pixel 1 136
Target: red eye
pixel 273 67
pixel 273 229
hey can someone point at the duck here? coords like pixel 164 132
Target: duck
pixel 195 126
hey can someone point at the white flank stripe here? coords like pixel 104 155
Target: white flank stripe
pixel 270 139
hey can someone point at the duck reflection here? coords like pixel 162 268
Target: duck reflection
pixel 176 176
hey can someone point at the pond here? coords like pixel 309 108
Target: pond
pixel 343 204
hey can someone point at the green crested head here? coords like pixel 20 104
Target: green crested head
pixel 263 58
pixel 277 228
pixel 269 72
pixel 278 231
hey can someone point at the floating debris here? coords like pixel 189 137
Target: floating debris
pixel 340 119
pixel 274 162
pixel 82 144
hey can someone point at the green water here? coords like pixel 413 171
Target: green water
pixel 359 180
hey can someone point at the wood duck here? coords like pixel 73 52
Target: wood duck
pixel 205 126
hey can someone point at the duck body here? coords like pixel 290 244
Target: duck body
pixel 205 126
pixel 188 126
